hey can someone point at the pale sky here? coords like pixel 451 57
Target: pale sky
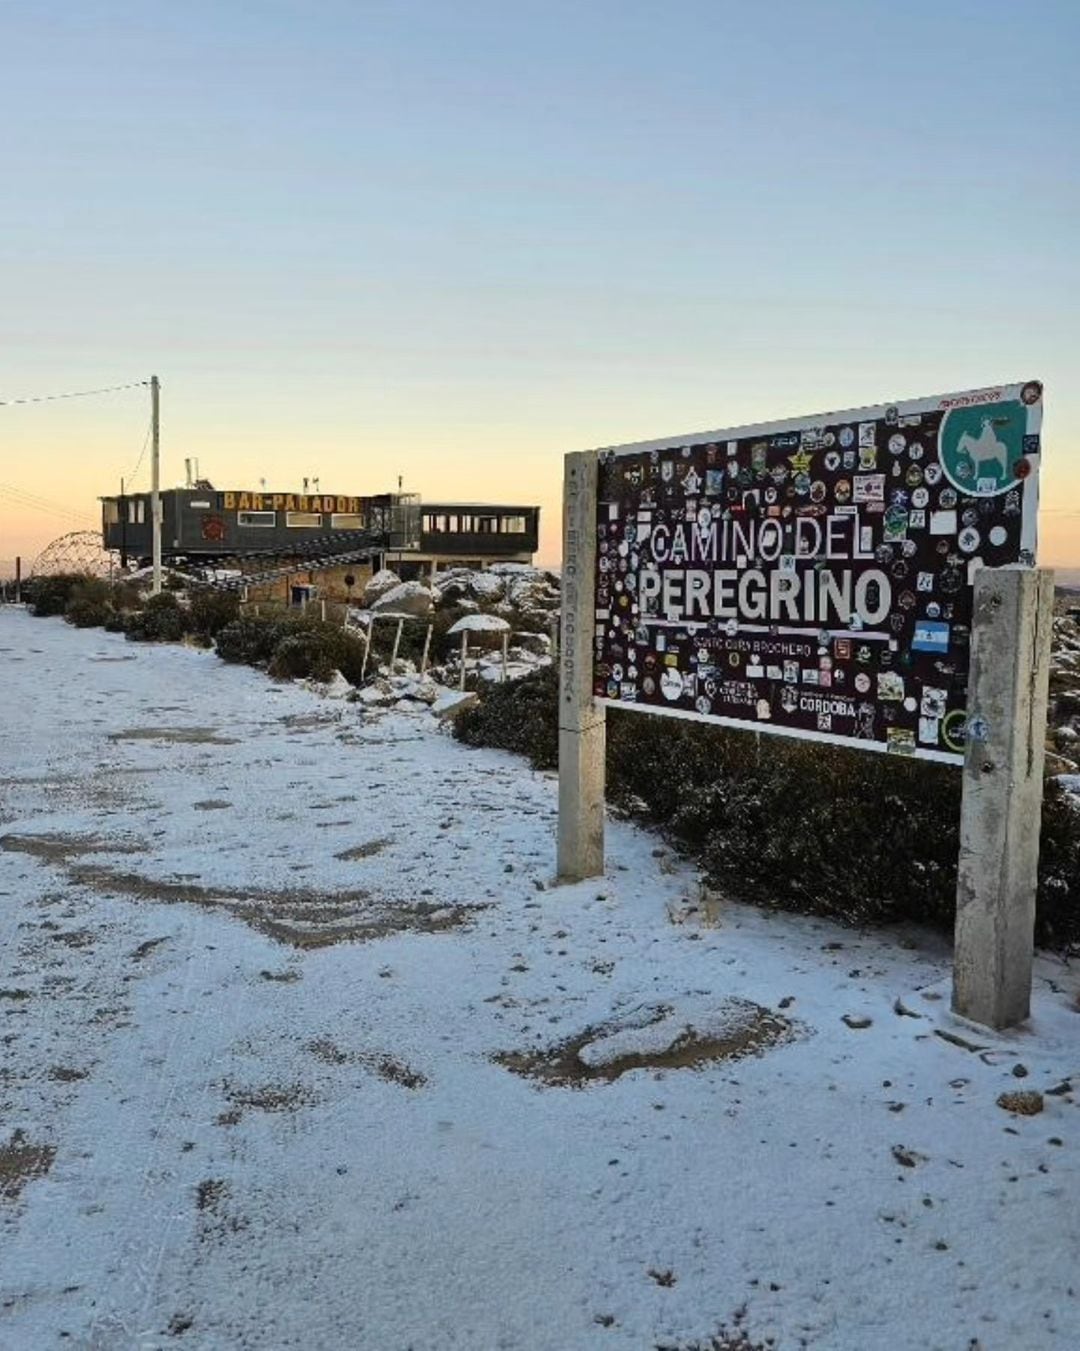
pixel 453 239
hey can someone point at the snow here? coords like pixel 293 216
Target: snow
pixel 277 1145
pixel 479 623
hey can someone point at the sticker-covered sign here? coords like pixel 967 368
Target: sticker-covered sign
pixel 814 576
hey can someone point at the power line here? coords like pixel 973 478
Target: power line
pixel 146 441
pixel 74 394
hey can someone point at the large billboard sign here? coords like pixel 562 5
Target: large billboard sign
pixel 814 576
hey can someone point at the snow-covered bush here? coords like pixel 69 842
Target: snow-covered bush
pixel 858 837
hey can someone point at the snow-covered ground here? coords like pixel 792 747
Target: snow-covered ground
pixel 220 1127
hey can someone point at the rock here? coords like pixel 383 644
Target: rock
pixel 1023 1102
pixel 379 584
pixel 453 702
pixel 407 598
pixel 539 644
pixel 855 1023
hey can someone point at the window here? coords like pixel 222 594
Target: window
pixel 487 525
pixel 346 520
pixel 257 518
pixel 136 510
pixel 297 520
pixel 110 511
pixel 467 525
pixel 512 525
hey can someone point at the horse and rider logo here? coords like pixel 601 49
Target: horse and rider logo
pixel 980 447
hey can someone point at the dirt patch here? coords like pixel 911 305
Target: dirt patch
pixel 269 1097
pixel 304 722
pixel 61 848
pixel 175 736
pixel 64 1074
pixel 20 1163
pixel 145 949
pixel 17 995
pixel 210 1192
pixel 387 1067
pixel 212 805
pixel 302 917
pixel 738 1028
pixel 368 850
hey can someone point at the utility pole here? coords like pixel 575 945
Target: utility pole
pixel 155 481
pixel 123 527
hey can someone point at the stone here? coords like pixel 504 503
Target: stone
pixel 1023 1102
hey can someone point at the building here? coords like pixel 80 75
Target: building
pixel 304 535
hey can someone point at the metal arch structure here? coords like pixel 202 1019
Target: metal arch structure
pixel 80 551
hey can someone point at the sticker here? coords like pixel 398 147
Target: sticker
pixel 928 731
pixel 954 729
pixel 998 535
pixel 969 540
pixel 930 636
pixel 890 686
pixel 671 685
pixel 943 523
pixel 934 702
pixel 900 741
pixel 980 447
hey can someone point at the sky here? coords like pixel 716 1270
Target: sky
pixel 454 240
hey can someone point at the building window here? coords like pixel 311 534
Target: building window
pixel 262 519
pixel 512 525
pixel 110 512
pixel 299 520
pixel 487 525
pixel 346 520
pixel 136 510
pixel 466 525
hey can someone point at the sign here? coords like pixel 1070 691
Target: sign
pixel 288 502
pixel 814 577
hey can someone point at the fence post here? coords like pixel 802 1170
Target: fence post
pixel 1002 794
pixel 580 852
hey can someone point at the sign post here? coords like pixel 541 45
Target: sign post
pixel 581 718
pixel 1002 795
pixel 864 578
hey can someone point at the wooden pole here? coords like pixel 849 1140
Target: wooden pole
pixel 505 644
pixel 464 648
pixel 427 649
pixel 367 647
pixel 397 643
pixel 1002 795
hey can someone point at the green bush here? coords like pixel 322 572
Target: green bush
pixel 292 647
pixel 50 595
pixel 161 620
pixel 89 604
pixel 853 835
pixel 520 716
pixel 210 611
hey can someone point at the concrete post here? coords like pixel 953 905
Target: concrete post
pixel 1002 795
pixel 581 719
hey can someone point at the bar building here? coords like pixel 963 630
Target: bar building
pixel 253 531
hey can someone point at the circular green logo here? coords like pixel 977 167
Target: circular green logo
pixel 980 447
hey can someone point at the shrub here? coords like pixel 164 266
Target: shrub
pixel 161 620
pixel 519 715
pixel 853 835
pixel 210 611
pixel 292 647
pixel 316 652
pixel 88 606
pixel 247 640
pixel 50 595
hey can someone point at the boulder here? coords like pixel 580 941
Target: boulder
pixel 379 584
pixel 406 598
